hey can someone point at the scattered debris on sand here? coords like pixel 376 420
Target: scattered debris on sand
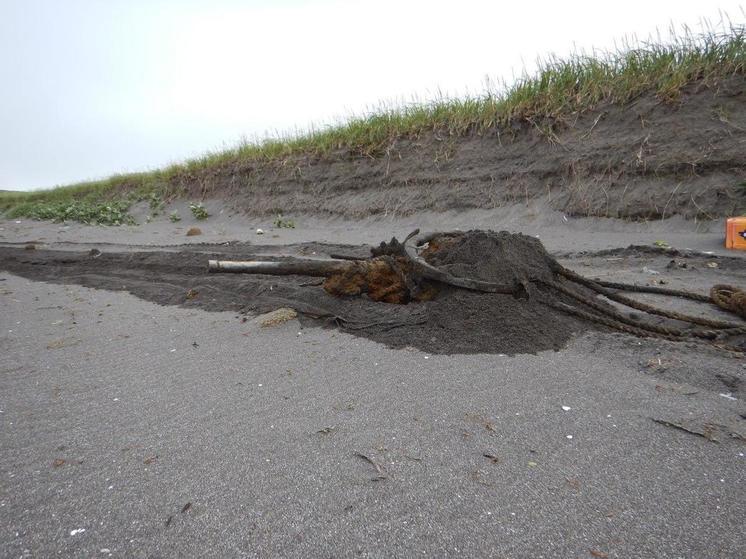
pixel 453 292
pixel 503 264
pixel 501 305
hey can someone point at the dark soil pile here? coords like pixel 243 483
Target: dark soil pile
pixel 455 321
pixel 489 256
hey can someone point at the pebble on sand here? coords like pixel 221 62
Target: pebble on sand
pixel 276 317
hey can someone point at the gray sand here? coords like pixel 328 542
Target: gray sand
pixel 153 407
pixel 555 230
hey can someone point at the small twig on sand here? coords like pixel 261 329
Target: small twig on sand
pixel 706 433
pixel 379 470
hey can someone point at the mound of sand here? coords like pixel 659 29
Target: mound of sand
pixel 489 256
pixel 455 321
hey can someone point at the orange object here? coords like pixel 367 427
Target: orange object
pixel 735 233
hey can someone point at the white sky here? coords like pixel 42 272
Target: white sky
pixel 89 88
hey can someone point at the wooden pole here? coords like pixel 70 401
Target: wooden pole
pixel 317 268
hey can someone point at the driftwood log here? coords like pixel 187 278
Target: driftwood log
pixel 383 278
pixel 301 267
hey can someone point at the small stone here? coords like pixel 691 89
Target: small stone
pixel 260 231
pixel 193 231
pixel 277 317
pixel 30 246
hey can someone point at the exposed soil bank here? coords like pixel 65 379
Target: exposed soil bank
pixel 645 160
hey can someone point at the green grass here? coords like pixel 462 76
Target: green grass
pixel 558 91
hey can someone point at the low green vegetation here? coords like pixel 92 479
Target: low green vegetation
pixel 282 223
pixel 198 211
pixel 558 91
pixel 174 216
pixel 104 202
pixel 92 213
pixel 156 203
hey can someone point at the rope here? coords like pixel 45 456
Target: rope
pixel 726 297
pixel 606 321
pixel 653 289
pixel 595 286
pixel 668 331
pixel 729 298
pixel 639 332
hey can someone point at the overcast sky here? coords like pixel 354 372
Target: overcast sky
pixel 90 88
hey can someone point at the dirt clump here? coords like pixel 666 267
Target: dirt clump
pixel 499 257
